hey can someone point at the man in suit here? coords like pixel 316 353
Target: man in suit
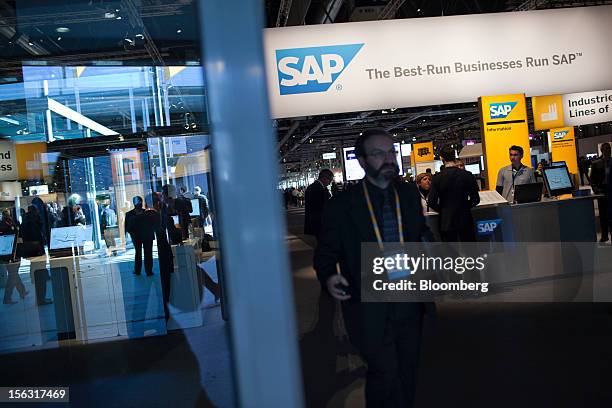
pixel 142 237
pixel 387 335
pixel 453 194
pixel 600 180
pixel 316 197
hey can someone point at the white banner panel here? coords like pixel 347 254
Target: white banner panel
pixel 332 68
pixel 8 161
pixel 587 107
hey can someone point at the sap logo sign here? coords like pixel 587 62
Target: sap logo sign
pixel 487 227
pixel 560 135
pixel 501 110
pixel 312 69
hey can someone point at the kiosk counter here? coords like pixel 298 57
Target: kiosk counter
pixel 550 220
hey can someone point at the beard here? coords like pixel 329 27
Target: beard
pixel 385 172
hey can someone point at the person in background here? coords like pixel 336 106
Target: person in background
pixel 203 206
pixel 317 195
pixel 32 235
pixel 108 226
pixel 8 226
pixel 183 208
pixel 294 197
pixel 142 233
pixel 44 218
pixel 387 335
pixel 423 182
pixel 583 169
pixel 600 179
pixel 167 235
pixel 514 174
pixel 453 194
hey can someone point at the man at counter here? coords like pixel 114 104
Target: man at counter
pixel 514 174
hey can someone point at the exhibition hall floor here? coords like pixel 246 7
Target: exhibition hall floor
pixel 476 355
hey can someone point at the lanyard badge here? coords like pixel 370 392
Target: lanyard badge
pixel 392 274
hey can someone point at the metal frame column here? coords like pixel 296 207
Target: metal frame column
pixel 261 310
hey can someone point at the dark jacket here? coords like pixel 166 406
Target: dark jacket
pixel 598 175
pixel 316 197
pixel 346 225
pixel 453 194
pixel 135 223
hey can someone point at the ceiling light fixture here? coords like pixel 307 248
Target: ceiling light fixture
pixel 62 29
pixel 109 15
pixel 118 18
pixel 179 31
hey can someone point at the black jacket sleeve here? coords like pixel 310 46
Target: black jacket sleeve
pixel 473 191
pixel 433 198
pixel 329 246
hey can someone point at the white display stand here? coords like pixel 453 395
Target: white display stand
pixel 185 299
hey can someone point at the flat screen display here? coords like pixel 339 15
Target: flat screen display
pixel 557 178
pixel 473 168
pixel 353 168
pixel 6 245
pixel 67 237
pixel 195 205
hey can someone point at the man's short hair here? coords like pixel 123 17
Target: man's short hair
pixel 447 154
pixel 517 149
pixel 360 142
pixel 137 200
pixel 327 173
pixel 605 146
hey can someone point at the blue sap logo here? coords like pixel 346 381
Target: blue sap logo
pixel 487 227
pixel 312 69
pixel 501 110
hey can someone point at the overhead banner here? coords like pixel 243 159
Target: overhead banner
pixel 331 68
pixel 8 161
pixel 547 112
pixel 563 147
pixel 575 109
pixel 504 124
pixel 423 152
pixel 587 107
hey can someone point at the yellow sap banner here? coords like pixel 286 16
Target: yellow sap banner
pixel 547 112
pixel 504 124
pixel 563 147
pixel 423 152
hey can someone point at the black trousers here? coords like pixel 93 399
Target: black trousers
pixel 13 281
pixel 148 256
pixel 392 365
pixel 602 204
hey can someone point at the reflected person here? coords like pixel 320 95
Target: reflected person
pixel 142 233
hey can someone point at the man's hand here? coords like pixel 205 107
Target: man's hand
pixel 336 292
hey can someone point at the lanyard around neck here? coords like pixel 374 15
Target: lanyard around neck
pixel 398 214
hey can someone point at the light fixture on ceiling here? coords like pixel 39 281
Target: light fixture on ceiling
pixel 139 36
pixel 62 29
pixel 118 18
pixel 109 15
pixel 30 43
pixel 59 38
pixel 179 31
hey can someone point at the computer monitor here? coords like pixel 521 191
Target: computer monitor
pixel 7 247
pixel 473 168
pixel 66 237
pixel 195 205
pixel 528 193
pixel 558 163
pixel 558 180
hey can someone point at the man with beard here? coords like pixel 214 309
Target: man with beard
pixel 378 209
